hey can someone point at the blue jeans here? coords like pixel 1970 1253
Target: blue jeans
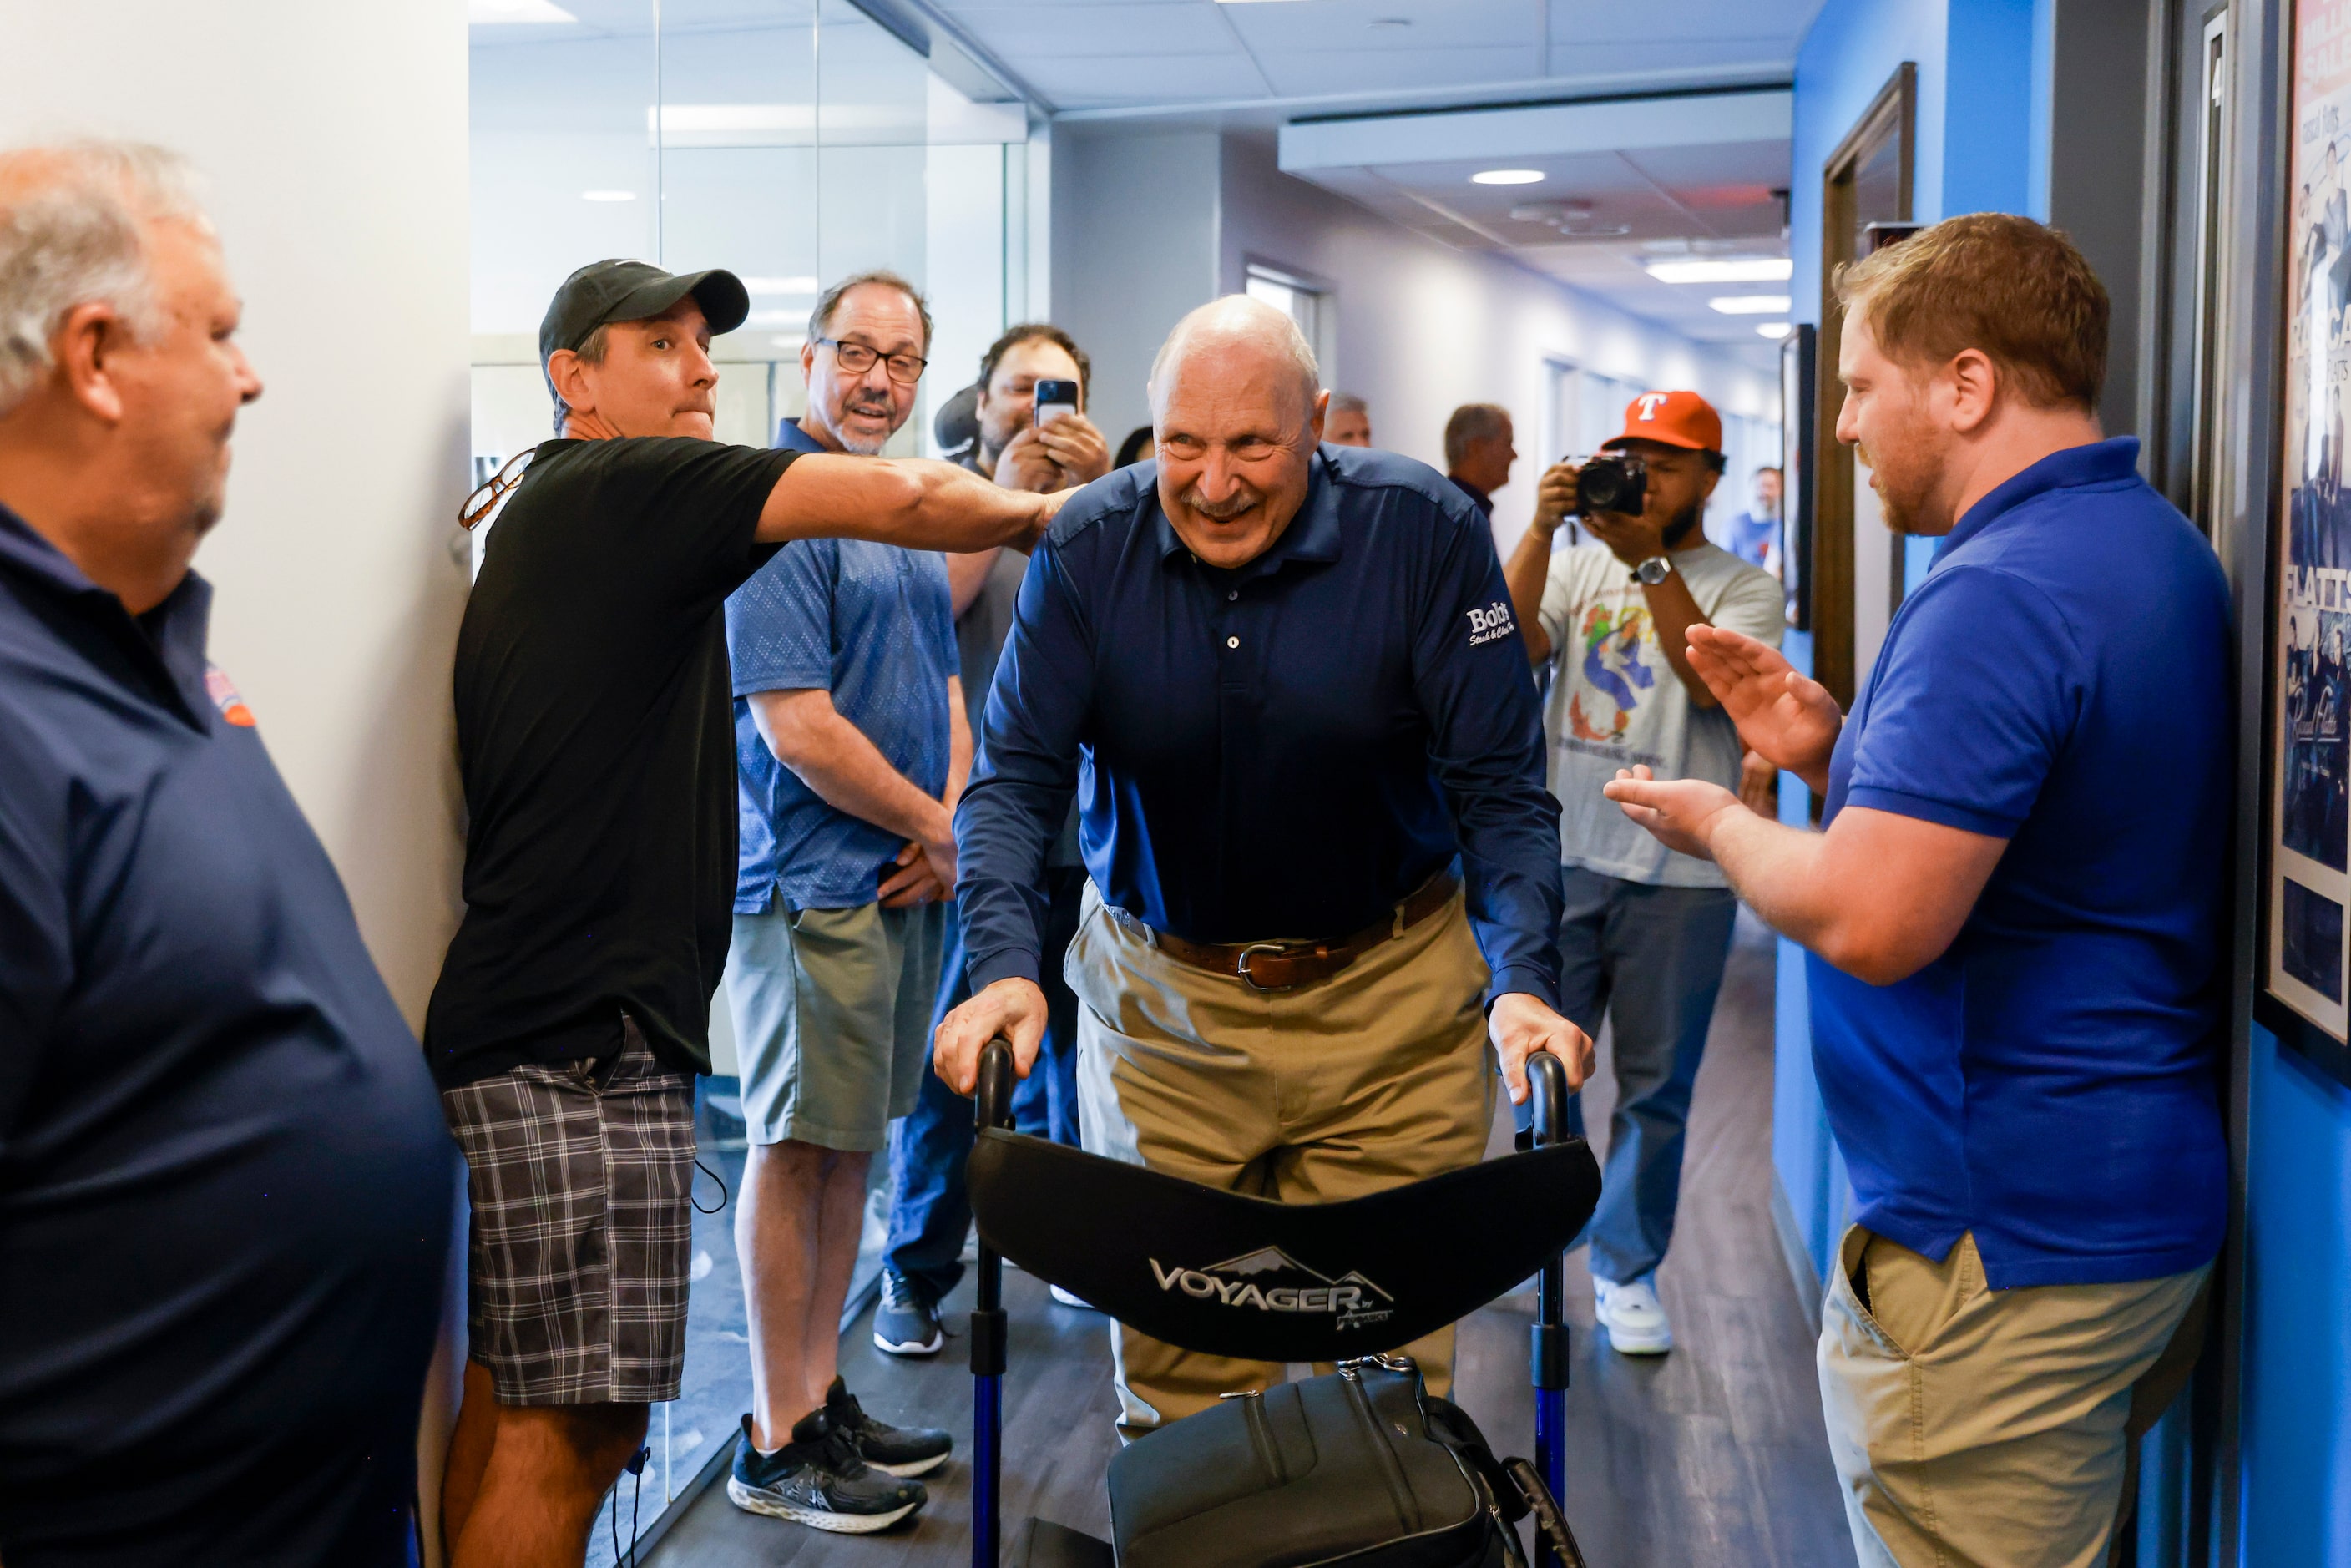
pixel 1650 959
pixel 930 1211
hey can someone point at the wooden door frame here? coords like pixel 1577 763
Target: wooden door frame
pixel 1894 111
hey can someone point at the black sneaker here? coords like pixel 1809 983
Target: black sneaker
pixel 900 1450
pixel 817 1478
pixel 905 1322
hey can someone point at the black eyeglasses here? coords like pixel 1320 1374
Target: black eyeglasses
pixel 857 359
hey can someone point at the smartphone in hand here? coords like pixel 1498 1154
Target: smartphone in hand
pixel 1053 400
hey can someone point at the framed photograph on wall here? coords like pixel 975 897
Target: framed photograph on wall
pixel 1799 379
pixel 2307 817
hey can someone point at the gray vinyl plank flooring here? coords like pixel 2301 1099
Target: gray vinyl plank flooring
pixel 1712 1456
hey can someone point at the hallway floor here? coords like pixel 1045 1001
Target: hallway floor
pixel 1712 1456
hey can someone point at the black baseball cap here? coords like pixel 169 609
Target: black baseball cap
pixel 608 291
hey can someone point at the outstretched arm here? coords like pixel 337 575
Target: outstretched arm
pixel 907 501
pixel 1878 894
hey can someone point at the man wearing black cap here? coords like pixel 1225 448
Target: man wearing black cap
pixel 595 739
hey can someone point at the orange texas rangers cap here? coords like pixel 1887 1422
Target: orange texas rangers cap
pixel 1674 418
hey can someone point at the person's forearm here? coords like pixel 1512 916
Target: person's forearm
pixel 833 756
pixel 967 575
pixel 1673 610
pixel 907 501
pixel 1777 869
pixel 1527 570
pixel 959 746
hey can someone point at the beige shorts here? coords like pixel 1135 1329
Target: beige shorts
pixel 832 1013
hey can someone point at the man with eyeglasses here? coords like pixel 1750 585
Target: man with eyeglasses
pixel 593 736
pixel 852 745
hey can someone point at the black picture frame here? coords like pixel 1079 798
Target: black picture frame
pixel 1798 391
pixel 2303 968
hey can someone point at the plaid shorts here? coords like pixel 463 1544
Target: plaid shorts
pixel 583 1228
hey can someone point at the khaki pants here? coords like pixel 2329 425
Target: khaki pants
pixel 1375 1077
pixel 1981 1429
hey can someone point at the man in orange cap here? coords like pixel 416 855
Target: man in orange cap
pixel 1646 931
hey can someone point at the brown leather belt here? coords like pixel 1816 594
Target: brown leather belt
pixel 1286 965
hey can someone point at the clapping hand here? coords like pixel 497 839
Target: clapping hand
pixel 1782 714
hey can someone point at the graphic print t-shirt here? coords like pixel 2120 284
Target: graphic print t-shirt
pixel 1615 701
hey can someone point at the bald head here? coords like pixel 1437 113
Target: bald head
pixel 1237 337
pixel 1236 415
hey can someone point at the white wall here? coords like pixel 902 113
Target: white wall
pixel 334 136
pixel 1135 246
pixel 1424 329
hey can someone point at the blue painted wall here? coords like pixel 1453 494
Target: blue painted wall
pixel 2295 1454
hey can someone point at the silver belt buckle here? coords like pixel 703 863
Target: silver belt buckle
pixel 1241 964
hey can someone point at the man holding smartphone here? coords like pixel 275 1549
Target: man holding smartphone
pixel 851 747
pixel 1033 433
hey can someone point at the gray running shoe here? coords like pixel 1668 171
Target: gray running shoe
pixel 905 1322
pixel 817 1480
pixel 899 1450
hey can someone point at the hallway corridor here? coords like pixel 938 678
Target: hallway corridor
pixel 1711 1456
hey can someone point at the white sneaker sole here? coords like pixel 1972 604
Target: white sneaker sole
pixel 751 1502
pixel 912 1348
pixel 1637 1343
pixel 908 1472
pixel 1071 1298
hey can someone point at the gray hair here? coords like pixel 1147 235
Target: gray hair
pixel 1237 315
pixel 1472 422
pixel 72 233
pixel 821 318
pixel 1348 403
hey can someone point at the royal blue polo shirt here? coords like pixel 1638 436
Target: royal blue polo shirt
pixel 225 1185
pixel 1283 750
pixel 874 626
pixel 2060 681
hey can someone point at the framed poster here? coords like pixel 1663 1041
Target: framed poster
pixel 1798 386
pixel 2307 872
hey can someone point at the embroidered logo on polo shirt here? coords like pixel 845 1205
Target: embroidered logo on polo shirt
pixel 1491 622
pixel 222 691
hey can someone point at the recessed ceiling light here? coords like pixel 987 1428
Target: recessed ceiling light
pixel 506 13
pixel 1751 304
pixel 1775 329
pixel 1507 177
pixel 779 286
pixel 1735 269
pixel 608 195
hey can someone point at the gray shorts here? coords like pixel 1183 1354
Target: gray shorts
pixel 580 1175
pixel 832 1013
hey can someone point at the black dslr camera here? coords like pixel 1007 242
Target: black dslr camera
pixel 1612 482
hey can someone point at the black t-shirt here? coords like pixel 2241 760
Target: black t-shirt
pixel 597 743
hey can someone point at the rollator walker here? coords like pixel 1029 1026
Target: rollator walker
pixel 1359 1466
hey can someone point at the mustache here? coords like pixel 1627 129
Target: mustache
pixel 1224 511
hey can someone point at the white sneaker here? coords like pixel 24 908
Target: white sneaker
pixel 1071 1299
pixel 1637 1325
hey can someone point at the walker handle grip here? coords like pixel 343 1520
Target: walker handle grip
pixel 1547 1087
pixel 994 1109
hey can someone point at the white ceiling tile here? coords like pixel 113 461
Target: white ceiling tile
pixel 1663 56
pixel 1113 81
pixel 1611 21
pixel 1308 73
pixel 1344 25
pixel 1025 32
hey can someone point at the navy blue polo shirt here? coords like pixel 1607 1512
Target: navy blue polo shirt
pixel 225 1185
pixel 1282 750
pixel 2060 680
pixel 873 626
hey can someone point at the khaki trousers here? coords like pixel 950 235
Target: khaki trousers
pixel 1981 1429
pixel 1375 1077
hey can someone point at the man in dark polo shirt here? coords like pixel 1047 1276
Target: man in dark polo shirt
pixel 596 738
pixel 1285 680
pixel 224 1196
pixel 2016 971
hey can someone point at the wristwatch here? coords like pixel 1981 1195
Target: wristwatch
pixel 1652 571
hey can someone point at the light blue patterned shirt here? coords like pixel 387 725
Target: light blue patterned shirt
pixel 873 624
